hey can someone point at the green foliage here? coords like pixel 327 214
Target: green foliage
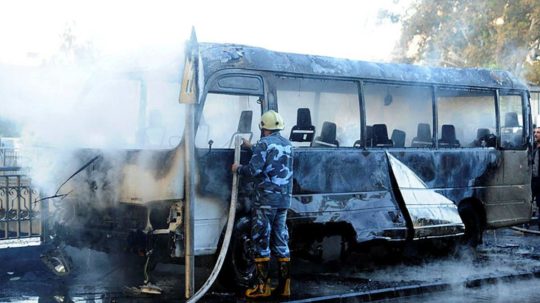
pixel 532 72
pixel 501 34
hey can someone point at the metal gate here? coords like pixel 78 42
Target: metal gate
pixel 20 210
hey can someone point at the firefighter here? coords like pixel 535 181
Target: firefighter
pixel 271 167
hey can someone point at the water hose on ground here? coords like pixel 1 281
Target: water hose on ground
pixel 525 230
pixel 228 232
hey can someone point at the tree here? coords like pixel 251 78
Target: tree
pixel 501 34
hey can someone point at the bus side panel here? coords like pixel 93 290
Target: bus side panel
pixel 347 185
pixel 459 174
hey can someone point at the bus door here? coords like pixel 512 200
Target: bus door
pixel 513 202
pixel 223 117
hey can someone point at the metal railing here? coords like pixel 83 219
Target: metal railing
pixel 20 213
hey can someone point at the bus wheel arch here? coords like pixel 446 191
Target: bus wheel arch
pixel 473 215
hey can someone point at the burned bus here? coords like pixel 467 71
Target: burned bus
pixel 382 152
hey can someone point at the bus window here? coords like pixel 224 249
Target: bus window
pixel 398 116
pixel 333 108
pixel 226 115
pixel 511 116
pixel 466 118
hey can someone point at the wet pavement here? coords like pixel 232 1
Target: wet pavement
pixel 98 277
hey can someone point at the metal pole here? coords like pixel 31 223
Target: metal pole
pixel 189 206
pixel 189 97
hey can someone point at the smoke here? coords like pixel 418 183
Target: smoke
pixel 495 259
pixel 79 106
pixel 72 108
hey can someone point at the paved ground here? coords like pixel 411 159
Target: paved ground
pixel 105 278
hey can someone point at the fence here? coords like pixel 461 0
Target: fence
pixel 20 212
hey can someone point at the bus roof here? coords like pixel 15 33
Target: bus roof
pixel 218 56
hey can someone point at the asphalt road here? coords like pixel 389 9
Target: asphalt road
pixel 98 277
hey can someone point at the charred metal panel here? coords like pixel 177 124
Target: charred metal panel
pixel 134 176
pixel 118 197
pixel 214 169
pixel 350 186
pixel 490 176
pixel 104 229
pixel 339 171
pixel 432 214
pixel 372 215
pixel 455 168
pixel 226 56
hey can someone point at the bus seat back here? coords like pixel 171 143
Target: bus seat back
pixel 327 137
pixel 423 136
pixel 303 131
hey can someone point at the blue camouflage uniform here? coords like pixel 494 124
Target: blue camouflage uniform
pixel 271 167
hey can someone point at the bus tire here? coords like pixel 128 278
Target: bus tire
pixel 239 268
pixel 473 225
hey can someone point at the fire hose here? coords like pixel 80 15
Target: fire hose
pixel 525 230
pixel 228 232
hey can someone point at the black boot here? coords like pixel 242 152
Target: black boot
pixel 262 287
pixel 284 283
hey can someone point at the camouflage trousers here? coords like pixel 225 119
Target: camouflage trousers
pixel 269 232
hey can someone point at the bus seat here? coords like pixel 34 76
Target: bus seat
pixel 448 136
pixel 484 138
pixel 511 119
pixel 423 136
pixel 369 138
pixel 380 136
pixel 303 131
pixel 327 137
pixel 398 137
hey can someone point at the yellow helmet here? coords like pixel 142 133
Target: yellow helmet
pixel 271 120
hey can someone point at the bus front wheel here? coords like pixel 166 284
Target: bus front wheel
pixel 239 268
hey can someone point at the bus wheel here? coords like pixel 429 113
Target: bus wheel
pixel 473 225
pixel 239 268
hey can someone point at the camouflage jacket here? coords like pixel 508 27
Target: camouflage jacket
pixel 271 167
